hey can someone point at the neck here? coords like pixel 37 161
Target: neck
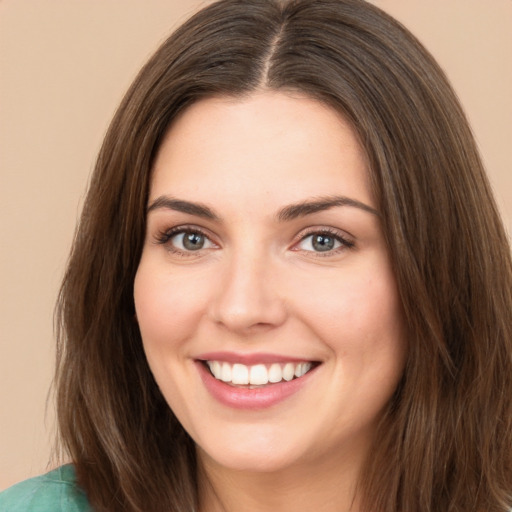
pixel 327 485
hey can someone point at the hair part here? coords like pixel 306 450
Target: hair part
pixel 445 441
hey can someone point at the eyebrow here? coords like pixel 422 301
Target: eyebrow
pixel 319 204
pixel 179 205
pixel 290 212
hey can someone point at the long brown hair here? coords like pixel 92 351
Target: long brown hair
pixel 445 441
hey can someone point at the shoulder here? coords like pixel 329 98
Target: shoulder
pixel 56 491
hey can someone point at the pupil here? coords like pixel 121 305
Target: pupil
pixel 193 241
pixel 323 243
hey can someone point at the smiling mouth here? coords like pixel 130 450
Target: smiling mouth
pixel 257 375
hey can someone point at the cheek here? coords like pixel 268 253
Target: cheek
pixel 352 306
pixel 168 306
pixel 167 309
pixel 376 350
pixel 358 315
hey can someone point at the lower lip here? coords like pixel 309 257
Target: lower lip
pixel 252 399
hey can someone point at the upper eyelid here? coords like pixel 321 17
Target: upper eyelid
pixel 341 233
pixel 184 228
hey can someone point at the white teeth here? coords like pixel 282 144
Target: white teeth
pixel 288 371
pixel 225 375
pixel 302 369
pixel 216 369
pixel 275 374
pixel 259 374
pixel 240 374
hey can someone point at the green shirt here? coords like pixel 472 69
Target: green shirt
pixel 56 491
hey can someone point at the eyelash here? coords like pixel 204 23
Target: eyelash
pixel 163 238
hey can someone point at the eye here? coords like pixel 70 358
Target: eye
pixel 323 242
pixel 189 241
pixel 185 240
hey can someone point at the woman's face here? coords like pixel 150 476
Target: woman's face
pixel 265 296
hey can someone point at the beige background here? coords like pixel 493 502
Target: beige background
pixel 64 65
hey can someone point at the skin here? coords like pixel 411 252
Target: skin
pixel 259 285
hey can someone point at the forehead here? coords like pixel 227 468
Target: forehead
pixel 269 143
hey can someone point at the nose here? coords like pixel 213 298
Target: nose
pixel 248 299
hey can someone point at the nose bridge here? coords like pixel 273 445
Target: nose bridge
pixel 248 297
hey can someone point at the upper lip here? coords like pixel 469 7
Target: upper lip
pixel 250 359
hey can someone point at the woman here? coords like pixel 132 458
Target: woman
pixel 290 287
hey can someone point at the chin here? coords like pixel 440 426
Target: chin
pixel 251 462
pixel 260 456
